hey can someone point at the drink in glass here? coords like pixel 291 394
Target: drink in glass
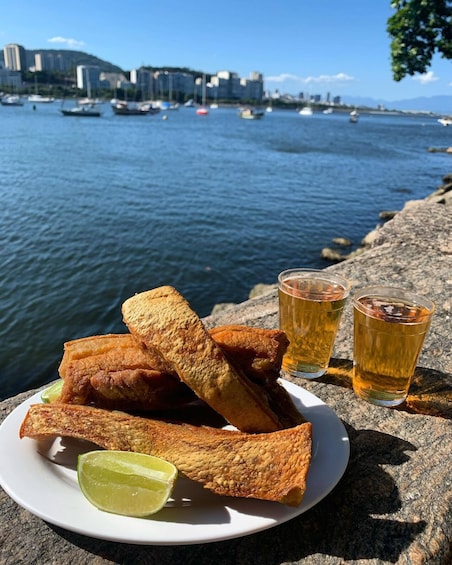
pixel 310 308
pixel 390 325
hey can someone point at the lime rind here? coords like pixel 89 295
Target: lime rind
pixel 127 483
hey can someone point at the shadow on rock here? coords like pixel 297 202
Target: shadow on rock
pixel 430 391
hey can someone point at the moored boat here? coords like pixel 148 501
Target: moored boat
pixel 354 116
pixel 203 110
pixel 12 100
pixel 38 98
pixel 306 111
pixel 83 111
pixel 165 106
pixel 124 108
pixel 250 114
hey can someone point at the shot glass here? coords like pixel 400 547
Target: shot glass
pixel 311 302
pixel 390 325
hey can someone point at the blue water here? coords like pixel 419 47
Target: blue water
pixel 95 210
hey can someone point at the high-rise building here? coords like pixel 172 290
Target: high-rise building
pixel 88 77
pixel 14 57
pixel 48 61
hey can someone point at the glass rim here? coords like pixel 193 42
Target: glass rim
pixel 313 274
pixel 394 294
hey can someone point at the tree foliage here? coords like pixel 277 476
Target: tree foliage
pixel 419 29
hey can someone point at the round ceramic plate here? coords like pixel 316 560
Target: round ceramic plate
pixel 41 477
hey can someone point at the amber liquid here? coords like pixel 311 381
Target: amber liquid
pixel 387 342
pixel 309 313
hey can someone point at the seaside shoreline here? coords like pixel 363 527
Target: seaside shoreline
pixel 441 195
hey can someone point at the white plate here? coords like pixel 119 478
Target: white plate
pixel 45 483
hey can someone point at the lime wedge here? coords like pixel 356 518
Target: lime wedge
pixel 52 393
pixel 127 483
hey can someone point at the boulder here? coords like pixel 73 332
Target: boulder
pixel 331 255
pixel 342 241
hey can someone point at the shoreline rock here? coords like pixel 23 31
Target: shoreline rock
pixel 442 195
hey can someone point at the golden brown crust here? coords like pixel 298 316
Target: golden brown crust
pixel 258 352
pixel 270 466
pixel 114 371
pixel 162 319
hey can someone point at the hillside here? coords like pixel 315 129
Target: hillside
pixel 75 58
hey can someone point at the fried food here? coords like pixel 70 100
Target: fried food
pixel 162 320
pixel 268 466
pixel 114 371
pixel 97 345
pixel 257 352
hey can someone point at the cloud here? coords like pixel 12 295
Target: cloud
pixel 426 78
pixel 321 79
pixel 66 41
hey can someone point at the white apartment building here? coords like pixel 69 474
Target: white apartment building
pixel 14 56
pixel 50 62
pixel 88 77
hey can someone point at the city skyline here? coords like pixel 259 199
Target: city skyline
pixel 297 46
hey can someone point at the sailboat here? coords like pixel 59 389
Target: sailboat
pixel 38 97
pixel 203 111
pixel 83 111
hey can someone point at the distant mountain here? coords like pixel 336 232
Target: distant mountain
pixel 441 104
pixel 73 59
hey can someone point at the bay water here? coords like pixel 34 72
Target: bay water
pixel 96 209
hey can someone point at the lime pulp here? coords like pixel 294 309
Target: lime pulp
pixel 53 392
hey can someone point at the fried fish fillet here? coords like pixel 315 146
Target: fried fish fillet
pixel 163 320
pixel 114 371
pixel 87 347
pixel 268 466
pixel 256 351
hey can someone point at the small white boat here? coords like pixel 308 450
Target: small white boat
pixel 165 106
pixel 124 108
pixel 445 121
pixel 354 116
pixel 12 100
pixel 306 111
pixel 250 114
pixel 88 101
pixel 328 111
pixel 37 98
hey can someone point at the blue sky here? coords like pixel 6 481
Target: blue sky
pixel 299 45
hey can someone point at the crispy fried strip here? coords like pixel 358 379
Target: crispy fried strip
pixel 162 319
pixel 271 466
pixel 257 351
pixel 114 371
